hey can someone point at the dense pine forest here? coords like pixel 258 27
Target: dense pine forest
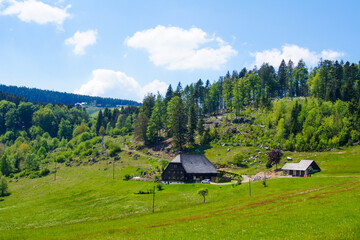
pixel 48 96
pixel 291 108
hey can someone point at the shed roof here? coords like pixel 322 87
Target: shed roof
pixel 195 163
pixel 302 165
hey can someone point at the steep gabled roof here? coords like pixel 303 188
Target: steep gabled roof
pixel 195 163
pixel 302 165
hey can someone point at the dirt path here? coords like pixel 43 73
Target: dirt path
pixel 245 178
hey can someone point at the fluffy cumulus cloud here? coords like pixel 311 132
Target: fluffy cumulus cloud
pixel 109 83
pixel 35 11
pixel 180 49
pixel 81 40
pixel 295 53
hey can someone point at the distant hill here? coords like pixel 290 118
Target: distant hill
pixel 12 98
pixel 48 96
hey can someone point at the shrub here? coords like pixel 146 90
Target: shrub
pixel 60 158
pixel 237 158
pixel 3 186
pixel 23 173
pixel 159 187
pixel 84 137
pixel 127 177
pixel 264 183
pixel 268 165
pixel 34 174
pixel 114 151
pixel 44 172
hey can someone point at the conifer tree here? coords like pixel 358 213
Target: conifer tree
pixel 99 121
pixel 200 125
pixel 177 121
pixel 290 72
pixel 141 128
pixel 228 93
pixel 192 121
pixel 282 79
pixel 157 120
pixel 178 90
pixel 169 94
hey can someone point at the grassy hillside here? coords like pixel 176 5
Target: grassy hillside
pixel 86 203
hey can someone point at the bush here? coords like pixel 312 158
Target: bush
pixel 60 158
pixel 3 186
pixel 237 158
pixel 24 173
pixel 114 151
pixel 159 187
pixel 84 137
pixel 264 183
pixel 268 165
pixel 34 174
pixel 44 172
pixel 127 177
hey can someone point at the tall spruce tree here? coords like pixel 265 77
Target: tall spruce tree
pixel 177 121
pixel 169 94
pixel 282 79
pixel 192 122
pixel 200 125
pixel 148 104
pixel 290 72
pixel 99 121
pixel 301 76
pixel 228 93
pixel 141 128
pixel 157 120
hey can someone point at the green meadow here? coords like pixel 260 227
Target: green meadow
pixel 85 202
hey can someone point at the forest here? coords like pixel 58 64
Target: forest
pixel 48 96
pixel 293 108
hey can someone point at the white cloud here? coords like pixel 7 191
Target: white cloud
pixel 109 83
pixel 295 53
pixel 35 11
pixel 155 87
pixel 81 40
pixel 180 49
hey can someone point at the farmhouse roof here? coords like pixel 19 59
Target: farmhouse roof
pixel 195 163
pixel 302 165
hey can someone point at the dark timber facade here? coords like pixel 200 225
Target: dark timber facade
pixel 189 168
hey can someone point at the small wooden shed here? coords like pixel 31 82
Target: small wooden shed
pixel 304 167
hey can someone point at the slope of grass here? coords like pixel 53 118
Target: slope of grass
pixel 86 203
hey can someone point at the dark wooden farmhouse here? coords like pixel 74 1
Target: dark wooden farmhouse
pixel 189 168
pixel 304 167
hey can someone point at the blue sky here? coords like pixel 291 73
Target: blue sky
pixel 125 49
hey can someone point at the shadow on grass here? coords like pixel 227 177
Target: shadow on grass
pixel 242 165
pixel 4 195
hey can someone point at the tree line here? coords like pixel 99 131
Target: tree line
pixel 48 96
pixel 180 113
